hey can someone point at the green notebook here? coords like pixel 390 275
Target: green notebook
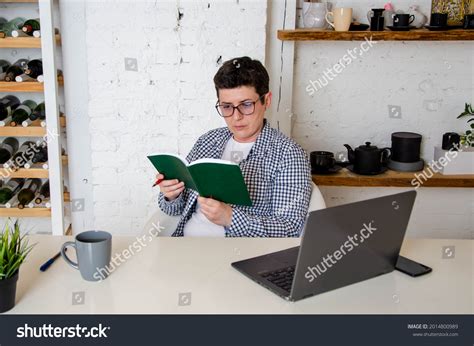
pixel 219 179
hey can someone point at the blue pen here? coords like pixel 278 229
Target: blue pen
pixel 45 266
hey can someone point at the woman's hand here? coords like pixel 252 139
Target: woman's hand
pixel 217 212
pixel 170 188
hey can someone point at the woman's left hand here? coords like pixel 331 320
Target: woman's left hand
pixel 217 212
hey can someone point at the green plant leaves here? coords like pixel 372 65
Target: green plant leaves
pixel 14 248
pixel 467 111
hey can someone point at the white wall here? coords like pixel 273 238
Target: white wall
pixel 164 105
pixel 168 102
pixel 431 81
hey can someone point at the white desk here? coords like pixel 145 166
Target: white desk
pixel 150 281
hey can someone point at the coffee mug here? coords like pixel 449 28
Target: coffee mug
pixel 451 141
pixel 93 252
pixel 469 21
pixel 321 161
pixel 403 19
pixel 439 19
pixel 341 18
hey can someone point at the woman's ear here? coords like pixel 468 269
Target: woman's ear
pixel 268 100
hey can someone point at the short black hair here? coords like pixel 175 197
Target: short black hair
pixel 242 71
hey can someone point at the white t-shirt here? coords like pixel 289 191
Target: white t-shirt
pixel 198 225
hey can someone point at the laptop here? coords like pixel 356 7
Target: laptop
pixel 340 246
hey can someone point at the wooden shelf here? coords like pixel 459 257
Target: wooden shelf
pixel 24 86
pixel 26 212
pixel 31 212
pixel 20 131
pixel 24 42
pixel 391 178
pixel 34 130
pixel 412 35
pixel 33 172
pixel 21 1
pixel 25 173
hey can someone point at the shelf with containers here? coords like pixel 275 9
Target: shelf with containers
pixel 288 36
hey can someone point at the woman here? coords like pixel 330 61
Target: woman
pixel 275 168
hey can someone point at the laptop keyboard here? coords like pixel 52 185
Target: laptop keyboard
pixel 282 278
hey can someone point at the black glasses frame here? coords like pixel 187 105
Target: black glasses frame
pixel 237 107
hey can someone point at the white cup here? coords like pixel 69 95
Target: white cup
pixel 341 18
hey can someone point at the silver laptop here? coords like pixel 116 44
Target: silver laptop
pixel 340 246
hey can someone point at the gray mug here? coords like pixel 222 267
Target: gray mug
pixel 93 251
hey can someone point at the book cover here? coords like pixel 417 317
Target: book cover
pixel 214 178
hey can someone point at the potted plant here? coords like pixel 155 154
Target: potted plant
pixel 14 248
pixel 468 138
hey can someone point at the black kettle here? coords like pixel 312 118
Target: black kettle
pixel 368 159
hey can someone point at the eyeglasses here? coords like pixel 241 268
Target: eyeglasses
pixel 226 110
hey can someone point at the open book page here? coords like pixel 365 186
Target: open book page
pixel 205 160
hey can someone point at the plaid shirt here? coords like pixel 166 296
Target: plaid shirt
pixel 278 178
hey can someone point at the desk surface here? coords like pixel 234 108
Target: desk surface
pixel 151 281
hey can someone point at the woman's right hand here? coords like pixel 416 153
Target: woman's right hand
pixel 170 188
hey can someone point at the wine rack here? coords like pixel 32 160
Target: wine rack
pixel 55 122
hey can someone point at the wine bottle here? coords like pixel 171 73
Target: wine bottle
pixel 39 112
pixel 5 121
pixel 9 189
pixel 28 192
pixel 37 33
pixel 41 155
pixel 31 25
pixel 40 78
pixel 26 123
pixel 46 165
pixel 4 65
pixel 18 33
pixel 8 147
pixel 43 193
pixel 11 202
pixel 34 68
pixel 7 105
pixel 22 112
pixel 24 78
pixel 15 70
pixel 14 24
pixel 24 155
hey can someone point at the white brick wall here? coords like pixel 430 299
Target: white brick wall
pixel 168 102
pixel 353 108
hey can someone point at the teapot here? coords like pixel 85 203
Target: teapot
pixel 368 159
